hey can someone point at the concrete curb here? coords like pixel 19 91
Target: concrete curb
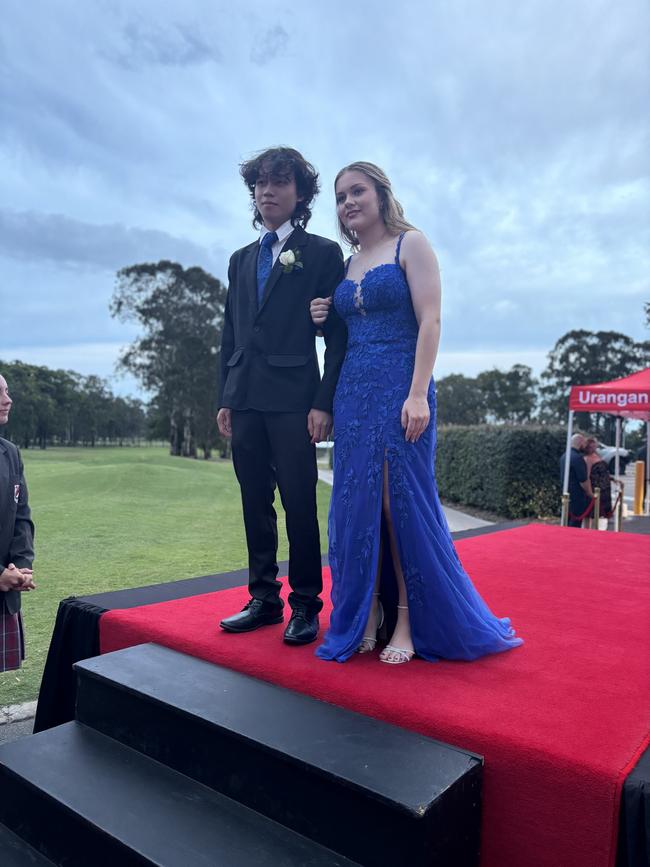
pixel 456 520
pixel 11 713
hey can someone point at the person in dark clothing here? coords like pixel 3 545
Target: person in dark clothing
pixel 599 475
pixel 580 492
pixel 272 400
pixel 16 545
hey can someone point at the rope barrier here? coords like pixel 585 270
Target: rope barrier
pixel 586 512
pixel 590 508
pixel 613 509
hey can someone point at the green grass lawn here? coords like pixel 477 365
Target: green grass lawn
pixel 111 518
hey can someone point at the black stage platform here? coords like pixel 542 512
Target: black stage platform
pixel 76 637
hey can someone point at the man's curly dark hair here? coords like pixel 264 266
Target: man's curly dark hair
pixel 286 163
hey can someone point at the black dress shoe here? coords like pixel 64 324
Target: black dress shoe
pixel 255 613
pixel 302 628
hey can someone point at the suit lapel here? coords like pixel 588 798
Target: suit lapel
pixel 298 238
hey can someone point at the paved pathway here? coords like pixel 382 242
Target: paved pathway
pixel 456 520
pixel 11 731
pixel 16 721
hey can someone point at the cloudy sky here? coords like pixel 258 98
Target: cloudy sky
pixel 516 136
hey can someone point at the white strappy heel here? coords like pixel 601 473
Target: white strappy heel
pixel 403 655
pixel 369 642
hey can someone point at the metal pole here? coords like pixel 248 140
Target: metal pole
pixel 618 515
pixel 564 512
pixel 567 455
pixel 639 481
pixel 617 459
pixel 596 510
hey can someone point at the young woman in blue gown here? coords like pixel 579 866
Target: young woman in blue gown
pixel 384 455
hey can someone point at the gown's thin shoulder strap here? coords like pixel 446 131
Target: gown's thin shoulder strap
pixel 399 244
pixel 347 265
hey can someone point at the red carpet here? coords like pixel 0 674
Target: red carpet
pixel 560 720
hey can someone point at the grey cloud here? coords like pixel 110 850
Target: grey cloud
pixel 145 43
pixel 51 304
pixel 536 320
pixel 71 126
pixel 269 45
pixel 57 238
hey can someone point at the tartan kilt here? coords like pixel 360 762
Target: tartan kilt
pixel 12 639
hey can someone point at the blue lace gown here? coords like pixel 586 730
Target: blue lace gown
pixel 448 617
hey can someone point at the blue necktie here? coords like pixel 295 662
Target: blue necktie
pixel 265 263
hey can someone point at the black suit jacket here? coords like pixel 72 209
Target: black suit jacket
pixel 16 527
pixel 268 353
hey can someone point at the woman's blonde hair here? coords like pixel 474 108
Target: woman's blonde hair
pixel 390 209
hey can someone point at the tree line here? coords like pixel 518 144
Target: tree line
pixel 176 360
pixel 60 407
pixel 515 396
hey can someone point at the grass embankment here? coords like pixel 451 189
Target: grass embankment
pixel 111 518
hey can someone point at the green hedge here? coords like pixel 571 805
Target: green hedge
pixel 511 470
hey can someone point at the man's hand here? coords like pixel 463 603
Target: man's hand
pixel 586 487
pixel 319 425
pixel 13 578
pixel 224 422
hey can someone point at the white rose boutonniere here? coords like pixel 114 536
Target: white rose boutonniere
pixel 289 260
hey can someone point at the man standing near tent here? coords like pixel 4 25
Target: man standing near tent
pixel 580 492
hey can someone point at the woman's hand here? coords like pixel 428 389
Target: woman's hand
pixel 415 417
pixel 319 308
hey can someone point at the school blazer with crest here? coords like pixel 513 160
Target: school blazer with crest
pixel 16 527
pixel 268 356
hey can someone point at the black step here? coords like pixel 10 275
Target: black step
pixel 377 793
pixel 15 852
pixel 87 799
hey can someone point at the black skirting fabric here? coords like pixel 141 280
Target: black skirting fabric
pixel 75 637
pixel 634 823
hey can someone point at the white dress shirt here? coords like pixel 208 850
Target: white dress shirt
pixel 283 233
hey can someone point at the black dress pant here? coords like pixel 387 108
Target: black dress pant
pixel 270 448
pixel 577 506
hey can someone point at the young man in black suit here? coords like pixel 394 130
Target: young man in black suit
pixel 272 401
